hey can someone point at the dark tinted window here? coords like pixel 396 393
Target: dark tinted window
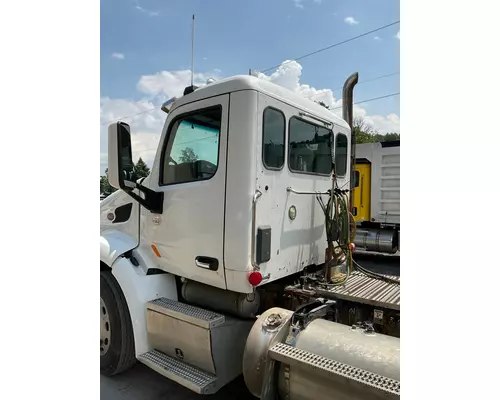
pixel 341 154
pixel 192 151
pixel 273 139
pixel 309 148
pixel 356 178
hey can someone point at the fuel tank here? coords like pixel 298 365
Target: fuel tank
pixel 325 360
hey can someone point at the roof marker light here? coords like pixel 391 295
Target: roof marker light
pixel 165 107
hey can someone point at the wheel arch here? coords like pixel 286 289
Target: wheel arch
pixel 113 244
pixel 138 289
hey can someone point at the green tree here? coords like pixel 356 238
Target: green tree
pixel 365 133
pixel 106 187
pixel 140 170
pixel 188 155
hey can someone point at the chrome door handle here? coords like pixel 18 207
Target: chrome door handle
pixel 207 263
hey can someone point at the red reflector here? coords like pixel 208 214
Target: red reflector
pixel 255 278
pixel 352 246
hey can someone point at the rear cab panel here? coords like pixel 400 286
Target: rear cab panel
pixel 295 243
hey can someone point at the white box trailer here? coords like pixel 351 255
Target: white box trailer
pixel 377 196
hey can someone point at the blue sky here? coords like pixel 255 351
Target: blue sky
pixel 140 39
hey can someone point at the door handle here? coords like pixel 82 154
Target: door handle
pixel 207 263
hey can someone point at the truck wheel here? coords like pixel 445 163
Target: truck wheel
pixel 117 336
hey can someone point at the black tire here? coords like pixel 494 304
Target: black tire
pixel 120 355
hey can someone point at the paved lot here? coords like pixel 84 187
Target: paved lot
pixel 141 383
pixel 388 265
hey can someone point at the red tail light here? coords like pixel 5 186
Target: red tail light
pixel 255 278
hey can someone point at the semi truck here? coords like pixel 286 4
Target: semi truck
pixel 235 255
pixel 376 197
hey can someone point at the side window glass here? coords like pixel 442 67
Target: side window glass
pixel 309 148
pixel 341 154
pixel 356 178
pixel 192 150
pixel 273 139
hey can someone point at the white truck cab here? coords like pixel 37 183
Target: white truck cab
pixel 249 141
pixel 228 208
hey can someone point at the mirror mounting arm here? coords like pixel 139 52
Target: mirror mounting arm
pixel 153 201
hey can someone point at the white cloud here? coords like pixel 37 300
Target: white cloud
pixel 288 75
pixel 171 83
pixel 119 56
pixel 145 117
pixel 148 12
pixel 397 35
pixel 350 21
pixel 298 3
pixel 377 38
pixel 146 125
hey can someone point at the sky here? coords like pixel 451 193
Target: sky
pixel 145 55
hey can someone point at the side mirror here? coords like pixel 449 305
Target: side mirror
pixel 120 164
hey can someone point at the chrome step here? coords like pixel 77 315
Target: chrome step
pixel 303 359
pixel 185 312
pixel 186 375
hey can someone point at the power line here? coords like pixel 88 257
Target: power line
pixel 155 108
pixel 371 80
pixel 130 116
pixel 369 100
pixel 331 109
pixel 333 45
pixel 336 108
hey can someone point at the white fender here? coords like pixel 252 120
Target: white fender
pixel 114 244
pixel 139 288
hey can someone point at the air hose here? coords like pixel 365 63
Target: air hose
pixel 337 221
pixel 340 233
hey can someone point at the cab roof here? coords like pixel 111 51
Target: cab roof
pixel 248 82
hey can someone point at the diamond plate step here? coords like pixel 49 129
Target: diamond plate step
pixel 186 375
pixel 185 312
pixel 296 357
pixel 363 289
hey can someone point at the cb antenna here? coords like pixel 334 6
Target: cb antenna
pixel 192 53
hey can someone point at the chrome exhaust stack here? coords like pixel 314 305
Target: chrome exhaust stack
pixel 347 115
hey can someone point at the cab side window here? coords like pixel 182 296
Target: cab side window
pixel 192 149
pixel 273 138
pixel 309 148
pixel 341 154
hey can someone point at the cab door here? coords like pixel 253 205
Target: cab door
pixel 190 169
pixel 362 192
